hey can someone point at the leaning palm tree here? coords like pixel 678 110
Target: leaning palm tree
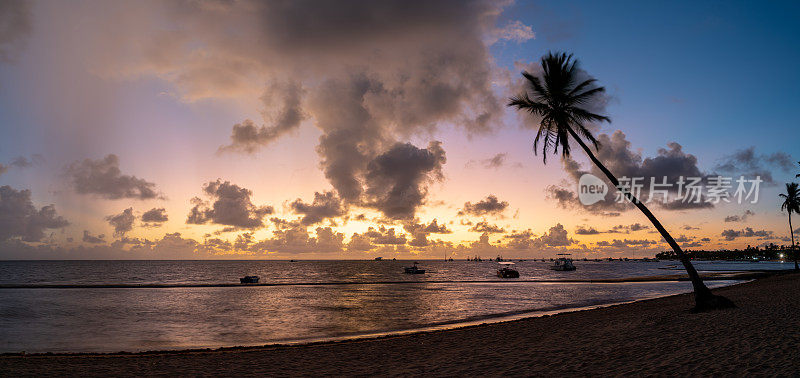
pixel 559 98
pixel 791 203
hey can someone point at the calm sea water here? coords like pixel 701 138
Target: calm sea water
pixel 316 299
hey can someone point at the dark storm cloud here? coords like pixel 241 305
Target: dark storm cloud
pixel 284 99
pixel 396 181
pixel 230 206
pixel 746 233
pixel 325 205
pixel 488 206
pixel 15 26
pixel 20 218
pixel 103 178
pixel 484 226
pixel 155 216
pixel 122 222
pixel 750 164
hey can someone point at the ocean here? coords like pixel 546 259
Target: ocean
pixel 112 306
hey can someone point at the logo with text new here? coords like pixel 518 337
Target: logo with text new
pixel 591 189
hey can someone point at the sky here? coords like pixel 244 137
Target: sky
pixel 358 129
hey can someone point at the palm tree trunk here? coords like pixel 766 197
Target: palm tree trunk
pixel 704 299
pixel 794 252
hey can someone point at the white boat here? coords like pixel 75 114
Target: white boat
pixel 563 264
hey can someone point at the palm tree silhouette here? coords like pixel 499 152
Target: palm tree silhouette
pixel 791 203
pixel 558 98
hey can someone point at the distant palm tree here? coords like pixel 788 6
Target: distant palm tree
pixel 557 97
pixel 791 203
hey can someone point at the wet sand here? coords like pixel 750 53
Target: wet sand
pixel 653 337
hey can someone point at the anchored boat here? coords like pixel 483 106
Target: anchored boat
pixel 563 264
pixel 248 279
pixel 507 271
pixel 414 269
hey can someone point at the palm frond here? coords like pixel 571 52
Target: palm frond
pixel 555 96
pixel 582 85
pixel 585 96
pixel 582 115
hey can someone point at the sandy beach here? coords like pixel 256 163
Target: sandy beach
pixel 653 337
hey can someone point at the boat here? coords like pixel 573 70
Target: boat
pixel 563 264
pixel 414 269
pixel 507 271
pixel 249 279
pixel 378 258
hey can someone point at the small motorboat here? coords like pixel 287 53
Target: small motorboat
pixel 563 264
pixel 507 271
pixel 414 269
pixel 249 279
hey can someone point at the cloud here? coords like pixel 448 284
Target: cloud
pixel 231 206
pixel 155 216
pixel 297 240
pixel 739 218
pixel 283 224
pixel 396 180
pixel 746 233
pixel 749 163
pixel 556 236
pixel 122 222
pixel 366 74
pixel 325 205
pixel 626 244
pixel 21 161
pixel 282 118
pixel 616 154
pixel 488 206
pixel 20 218
pixel 514 31
pixel 678 205
pixel 581 230
pixel 485 227
pixel 420 232
pixel 24 162
pixel 15 26
pixel 104 179
pixel 89 238
pixel 494 162
pixel 383 236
